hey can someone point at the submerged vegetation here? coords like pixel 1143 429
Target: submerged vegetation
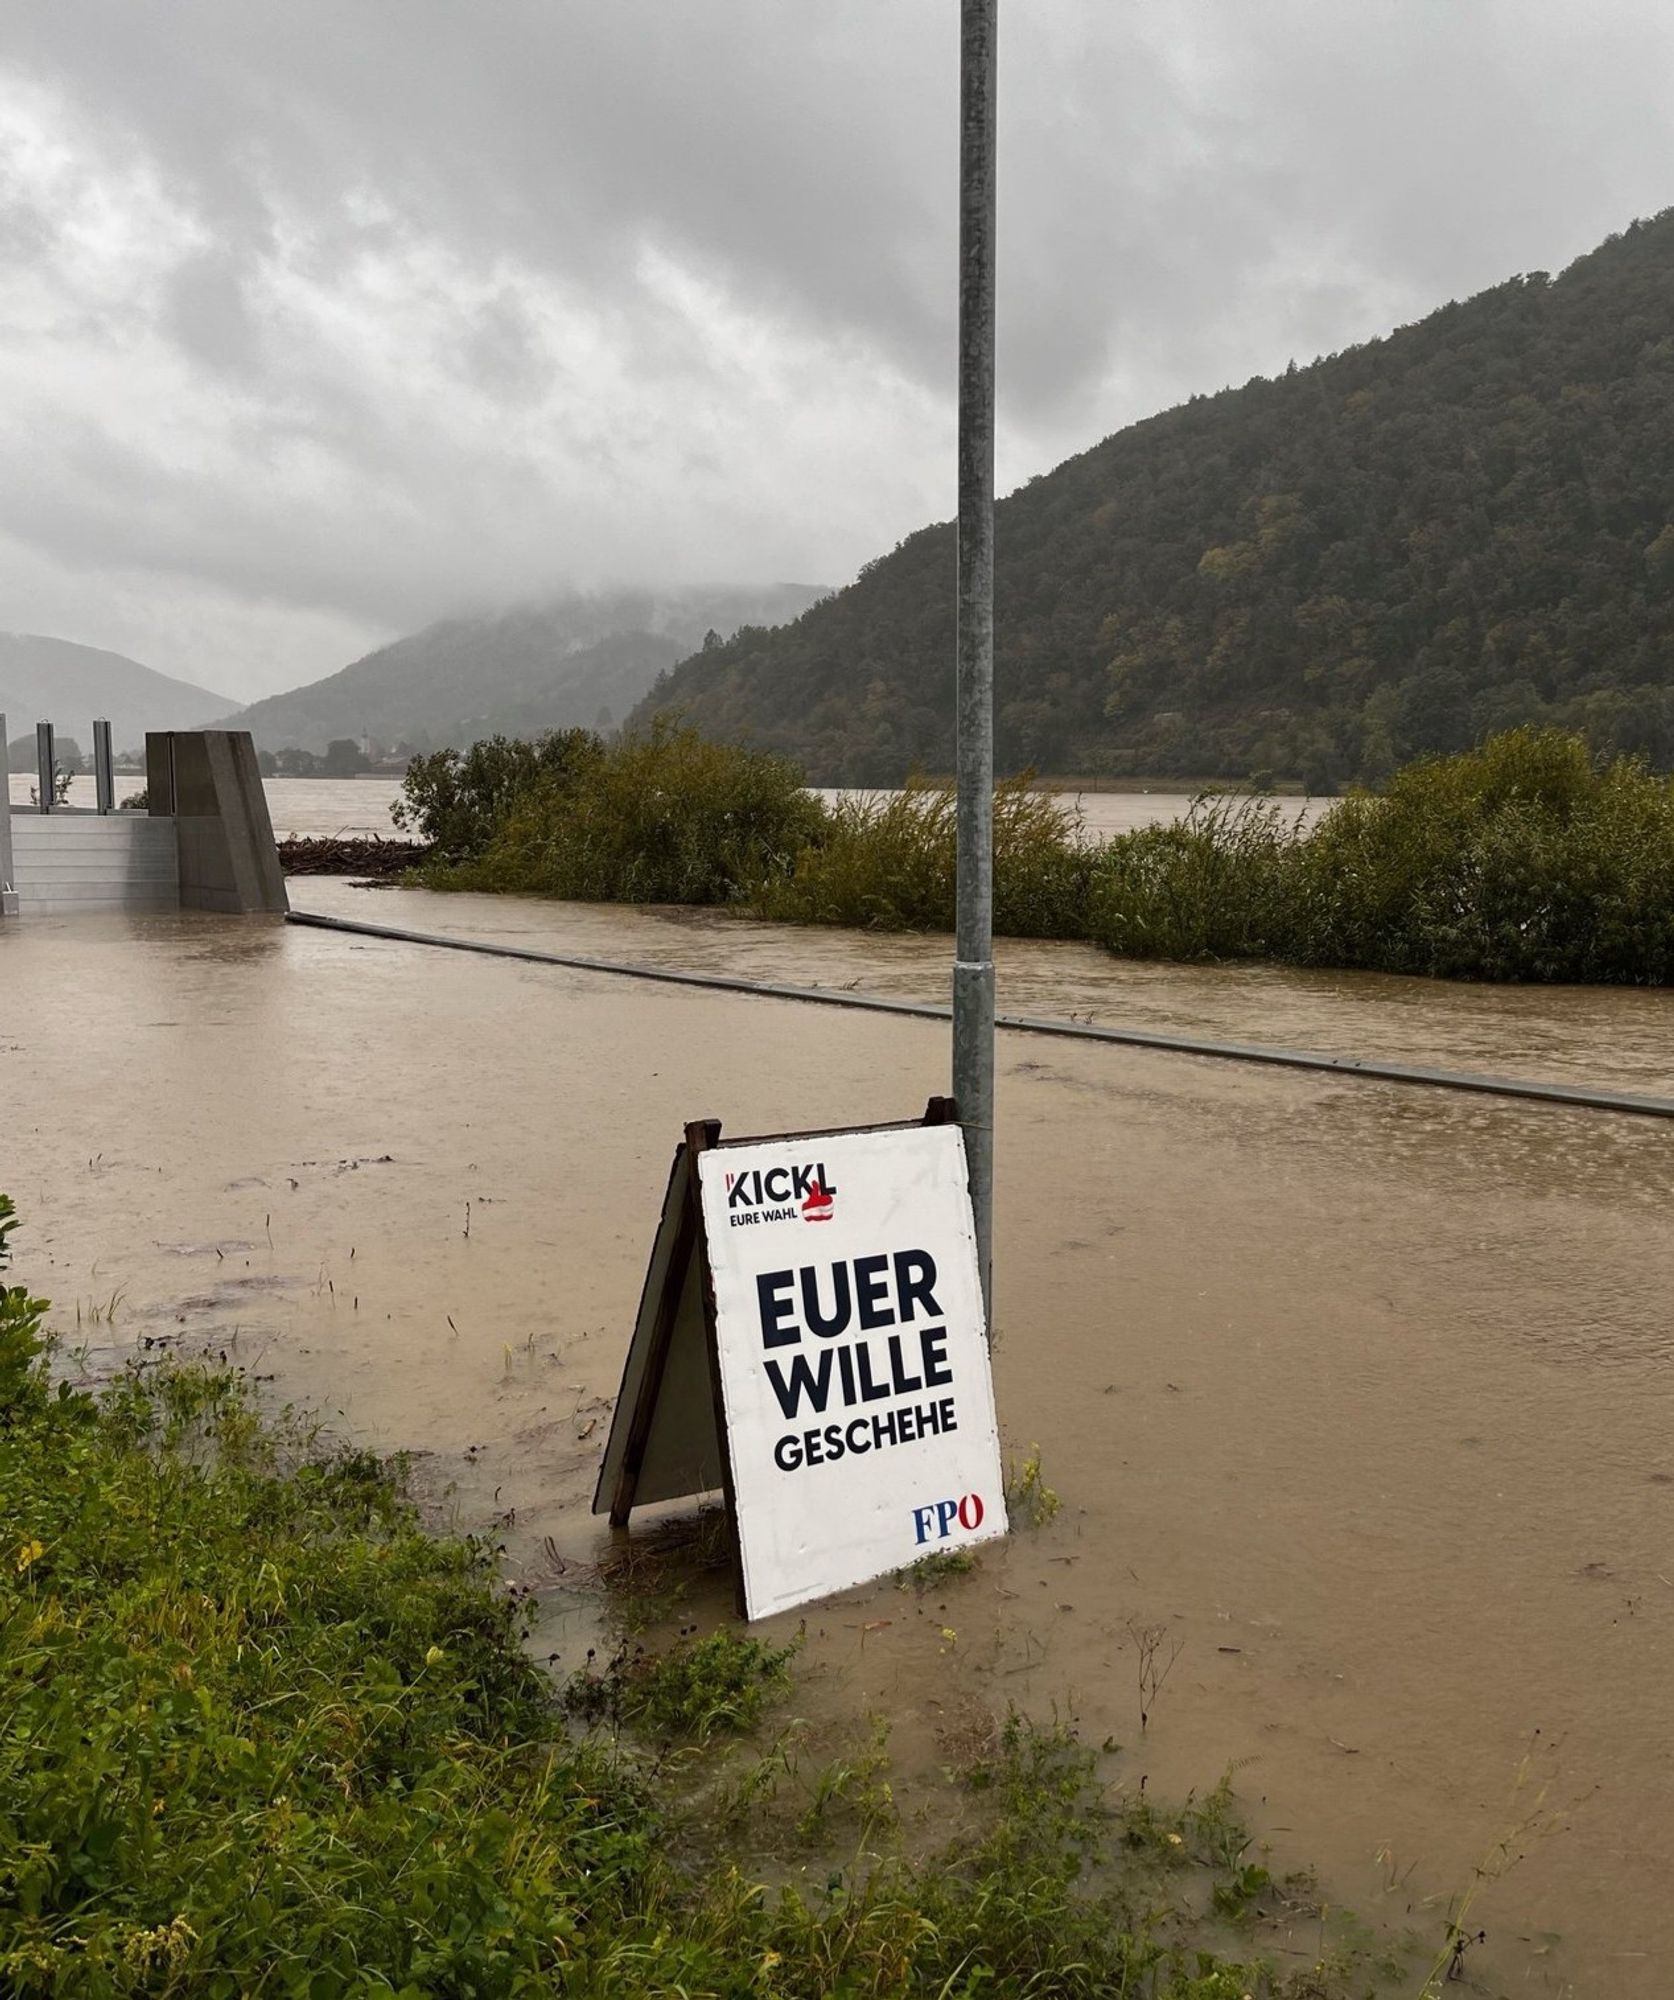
pixel 265 1735
pixel 885 861
pixel 661 818
pixel 1524 859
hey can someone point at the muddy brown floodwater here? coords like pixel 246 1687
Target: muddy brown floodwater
pixel 332 806
pixel 1362 1393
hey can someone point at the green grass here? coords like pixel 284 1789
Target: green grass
pixel 938 1568
pixel 264 1735
pixel 696 1688
pixel 1219 884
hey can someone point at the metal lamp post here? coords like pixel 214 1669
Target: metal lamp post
pixel 973 969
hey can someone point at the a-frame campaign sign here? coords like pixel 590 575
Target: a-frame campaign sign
pixel 811 1345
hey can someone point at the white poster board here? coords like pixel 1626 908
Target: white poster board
pixel 854 1376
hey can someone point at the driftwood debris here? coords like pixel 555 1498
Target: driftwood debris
pixel 339 854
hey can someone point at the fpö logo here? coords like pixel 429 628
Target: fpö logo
pixel 780 1194
pixel 938 1518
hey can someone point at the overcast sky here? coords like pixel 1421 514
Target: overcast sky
pixel 320 319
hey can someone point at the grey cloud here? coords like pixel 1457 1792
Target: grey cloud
pixel 502 349
pixel 207 313
pixel 420 339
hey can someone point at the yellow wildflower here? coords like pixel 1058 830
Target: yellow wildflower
pixel 30 1552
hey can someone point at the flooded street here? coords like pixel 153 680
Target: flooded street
pixel 1617 1038
pixel 1361 1393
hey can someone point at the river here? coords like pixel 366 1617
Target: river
pixel 1361 1393
pixel 358 806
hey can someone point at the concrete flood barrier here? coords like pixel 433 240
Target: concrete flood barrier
pixel 205 842
pixel 209 782
pixel 65 862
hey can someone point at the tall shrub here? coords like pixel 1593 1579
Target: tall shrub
pixel 666 817
pixel 1221 883
pixel 1523 859
pixel 455 799
pixel 888 862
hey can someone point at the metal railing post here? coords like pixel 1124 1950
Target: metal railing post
pixel 104 767
pixel 46 767
pixel 973 968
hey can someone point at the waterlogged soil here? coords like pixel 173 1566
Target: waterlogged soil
pixel 1357 1396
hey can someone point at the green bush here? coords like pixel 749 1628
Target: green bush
pixel 1218 884
pixel 662 818
pixel 888 863
pixel 1523 859
pixel 456 800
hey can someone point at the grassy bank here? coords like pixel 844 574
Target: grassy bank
pixel 1525 859
pixel 265 1735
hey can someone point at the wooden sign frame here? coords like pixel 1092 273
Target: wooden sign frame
pixel 680 1248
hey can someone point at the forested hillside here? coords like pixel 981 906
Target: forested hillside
pixel 1467 525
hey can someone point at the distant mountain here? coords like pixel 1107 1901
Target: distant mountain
pixel 570 661
pixel 53 680
pixel 1464 526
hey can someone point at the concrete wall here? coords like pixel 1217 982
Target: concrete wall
pixel 8 868
pixel 228 859
pixel 65 862
pixel 206 844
